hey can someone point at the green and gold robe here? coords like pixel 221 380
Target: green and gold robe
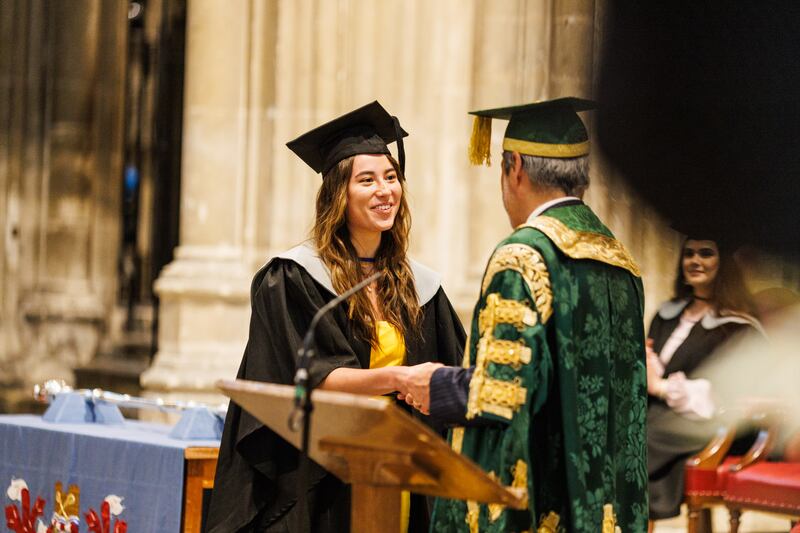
pixel 557 397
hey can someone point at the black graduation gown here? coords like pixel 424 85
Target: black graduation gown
pixel 671 437
pixel 255 487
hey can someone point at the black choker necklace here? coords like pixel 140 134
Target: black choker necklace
pixel 701 298
pixel 366 259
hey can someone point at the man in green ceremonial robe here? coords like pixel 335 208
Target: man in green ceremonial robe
pixel 552 394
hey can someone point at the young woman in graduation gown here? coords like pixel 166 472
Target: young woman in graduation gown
pixel 711 305
pixel 362 226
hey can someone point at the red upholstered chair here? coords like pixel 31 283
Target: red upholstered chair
pixel 705 477
pixel 772 487
pixel 766 486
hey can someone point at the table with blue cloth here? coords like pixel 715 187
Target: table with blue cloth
pixel 89 477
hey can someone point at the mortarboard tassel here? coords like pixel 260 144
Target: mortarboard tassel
pixel 480 141
pixel 401 151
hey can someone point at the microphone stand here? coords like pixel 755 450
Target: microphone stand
pixel 303 388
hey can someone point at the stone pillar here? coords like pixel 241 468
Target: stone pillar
pixel 261 72
pixel 204 293
pixel 444 58
pixel 63 70
pixel 331 58
pixel 575 50
pixel 511 65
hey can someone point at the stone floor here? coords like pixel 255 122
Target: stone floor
pixel 751 522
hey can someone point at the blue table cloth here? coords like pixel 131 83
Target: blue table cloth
pixel 137 462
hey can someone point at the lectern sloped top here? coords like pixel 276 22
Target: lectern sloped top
pixel 345 427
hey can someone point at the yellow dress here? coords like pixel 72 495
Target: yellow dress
pixel 391 351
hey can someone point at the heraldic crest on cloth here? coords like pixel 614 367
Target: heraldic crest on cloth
pixel 21 517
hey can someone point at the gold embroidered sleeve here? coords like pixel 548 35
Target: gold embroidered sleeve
pixel 501 397
pixel 528 262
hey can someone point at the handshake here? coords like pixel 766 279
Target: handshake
pixel 413 385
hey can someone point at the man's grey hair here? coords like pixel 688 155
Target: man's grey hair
pixel 571 175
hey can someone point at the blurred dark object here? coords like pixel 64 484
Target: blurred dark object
pixel 699 109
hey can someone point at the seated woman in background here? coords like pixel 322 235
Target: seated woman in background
pixel 711 305
pixel 362 226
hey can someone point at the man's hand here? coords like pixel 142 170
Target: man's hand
pixel 415 386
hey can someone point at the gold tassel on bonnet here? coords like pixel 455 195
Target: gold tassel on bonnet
pixel 481 140
pixel 541 129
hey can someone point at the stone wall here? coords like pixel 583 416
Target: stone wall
pixel 261 72
pixel 258 73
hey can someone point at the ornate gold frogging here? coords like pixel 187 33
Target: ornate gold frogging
pixel 498 397
pixel 502 398
pixel 505 352
pixel 499 310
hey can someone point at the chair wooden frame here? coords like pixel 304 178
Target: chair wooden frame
pixel 709 458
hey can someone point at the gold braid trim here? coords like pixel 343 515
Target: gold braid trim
pixel 476 383
pixel 545 149
pixel 465 362
pixel 473 513
pixel 499 310
pixel 549 523
pixel 520 482
pixel 586 244
pixel 609 520
pixel 520 473
pixel 530 265
pixel 458 439
pixel 495 509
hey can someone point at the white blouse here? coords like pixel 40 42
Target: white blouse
pixel 688 397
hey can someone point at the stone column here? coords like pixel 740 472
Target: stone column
pixel 331 58
pixel 575 50
pixel 204 293
pixel 62 70
pixel 443 59
pixel 511 65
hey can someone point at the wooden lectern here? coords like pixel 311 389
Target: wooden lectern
pixel 375 446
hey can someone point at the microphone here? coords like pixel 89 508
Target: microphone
pixel 302 392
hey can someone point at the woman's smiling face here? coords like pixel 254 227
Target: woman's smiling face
pixel 373 194
pixel 700 263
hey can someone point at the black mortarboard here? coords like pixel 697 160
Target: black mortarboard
pixel 366 130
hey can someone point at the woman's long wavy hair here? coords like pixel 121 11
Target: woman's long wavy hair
pixel 730 294
pixel 396 293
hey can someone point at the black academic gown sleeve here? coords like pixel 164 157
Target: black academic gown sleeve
pixel 257 470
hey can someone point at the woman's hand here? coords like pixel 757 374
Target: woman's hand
pixel 415 389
